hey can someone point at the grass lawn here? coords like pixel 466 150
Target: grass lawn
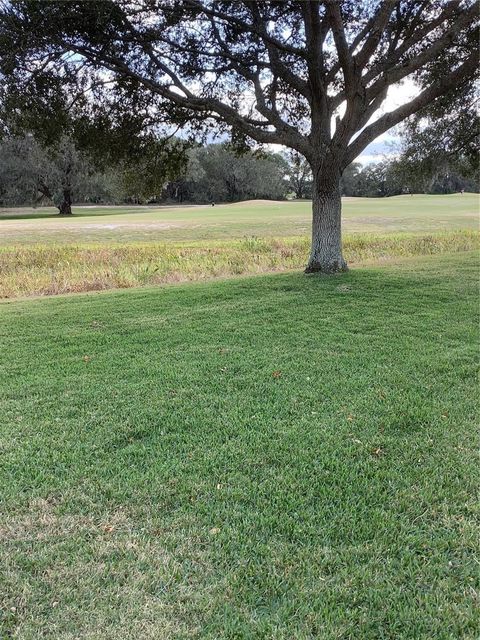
pixel 419 213
pixel 278 457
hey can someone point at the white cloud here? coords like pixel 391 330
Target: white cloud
pixel 382 146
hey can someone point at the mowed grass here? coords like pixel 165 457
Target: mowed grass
pixel 53 269
pixel 419 213
pixel 279 457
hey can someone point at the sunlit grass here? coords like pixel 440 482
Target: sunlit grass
pixel 410 214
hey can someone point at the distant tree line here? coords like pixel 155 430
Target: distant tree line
pixel 402 175
pixel 32 173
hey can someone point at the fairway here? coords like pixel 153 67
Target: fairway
pixel 117 247
pixel 274 458
pixel 419 213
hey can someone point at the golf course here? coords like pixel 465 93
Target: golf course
pixel 117 224
pixel 239 320
pixel 273 457
pixel 100 248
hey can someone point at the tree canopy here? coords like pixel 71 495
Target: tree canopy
pixel 308 75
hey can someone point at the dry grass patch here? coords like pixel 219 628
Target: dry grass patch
pixel 49 270
pixel 141 586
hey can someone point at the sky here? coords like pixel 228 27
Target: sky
pixel 385 144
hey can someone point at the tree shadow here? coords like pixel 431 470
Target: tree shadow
pixel 34 214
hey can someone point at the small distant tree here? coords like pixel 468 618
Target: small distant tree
pixel 349 183
pixel 299 174
pixel 305 65
pixel 378 180
pixel 71 168
pixel 151 164
pixel 184 185
pixel 20 179
pixel 232 177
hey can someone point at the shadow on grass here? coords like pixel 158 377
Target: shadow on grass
pixel 7 215
pixel 88 210
pixel 78 212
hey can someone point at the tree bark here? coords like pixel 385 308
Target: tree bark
pixel 326 253
pixel 65 207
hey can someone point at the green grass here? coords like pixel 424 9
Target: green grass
pixel 279 457
pixel 419 213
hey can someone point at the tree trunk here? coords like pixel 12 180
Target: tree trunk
pixel 65 207
pixel 326 253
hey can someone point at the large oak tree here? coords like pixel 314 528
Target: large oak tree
pixel 310 75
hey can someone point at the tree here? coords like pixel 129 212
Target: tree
pixel 299 174
pixel 71 167
pixel 303 63
pixel 29 171
pixel 184 186
pixel 376 181
pixel 440 145
pixel 151 164
pixel 231 177
pixel 216 173
pixel 32 172
pixel 80 136
pixel 20 181
pixel 350 179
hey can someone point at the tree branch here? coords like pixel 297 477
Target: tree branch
pixel 427 96
pixel 396 74
pixel 377 28
pixel 277 65
pixel 393 73
pixel 344 56
pixel 246 26
pixel 196 103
